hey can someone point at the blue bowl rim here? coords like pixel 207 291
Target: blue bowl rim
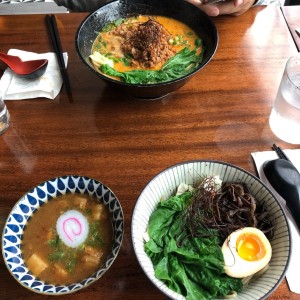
pixel 79 287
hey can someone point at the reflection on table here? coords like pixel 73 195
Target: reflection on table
pixel 220 114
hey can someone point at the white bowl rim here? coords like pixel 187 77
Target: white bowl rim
pixel 226 164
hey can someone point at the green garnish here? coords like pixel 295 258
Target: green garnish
pixel 88 211
pixel 95 238
pixel 113 25
pixel 181 64
pixel 60 253
pixel 179 41
pixel 198 43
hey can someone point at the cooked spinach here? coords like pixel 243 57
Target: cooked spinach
pixel 181 64
pixel 191 266
pixel 198 43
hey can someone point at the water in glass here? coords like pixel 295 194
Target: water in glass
pixel 4 116
pixel 285 116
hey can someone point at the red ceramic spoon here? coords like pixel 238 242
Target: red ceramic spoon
pixel 23 67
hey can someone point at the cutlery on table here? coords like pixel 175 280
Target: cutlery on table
pixel 285 179
pixel 29 68
pixel 279 152
pixel 56 43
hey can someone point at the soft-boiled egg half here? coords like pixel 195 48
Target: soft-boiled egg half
pixel 246 251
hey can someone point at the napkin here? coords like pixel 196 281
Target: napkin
pixel 293 271
pixel 16 87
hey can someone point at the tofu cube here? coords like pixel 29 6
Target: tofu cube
pixel 98 211
pixel 92 256
pixel 61 271
pixel 80 202
pixel 36 264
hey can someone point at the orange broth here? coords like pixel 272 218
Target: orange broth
pixel 45 254
pixel 106 42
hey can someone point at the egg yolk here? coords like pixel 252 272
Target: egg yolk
pixel 250 247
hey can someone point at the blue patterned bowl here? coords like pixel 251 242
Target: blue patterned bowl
pixel 165 184
pixel 30 202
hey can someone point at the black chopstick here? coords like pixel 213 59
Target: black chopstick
pixel 53 31
pixel 279 152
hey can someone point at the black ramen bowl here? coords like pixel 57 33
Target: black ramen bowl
pixel 176 9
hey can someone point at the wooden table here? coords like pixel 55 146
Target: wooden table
pixel 220 114
pixel 292 17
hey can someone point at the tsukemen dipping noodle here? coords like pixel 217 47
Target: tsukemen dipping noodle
pixel 146 49
pixel 67 239
pixel 209 241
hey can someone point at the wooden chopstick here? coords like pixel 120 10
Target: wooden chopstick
pixel 54 34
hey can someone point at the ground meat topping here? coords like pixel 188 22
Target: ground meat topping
pixel 147 43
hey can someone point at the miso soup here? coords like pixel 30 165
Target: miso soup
pixel 67 239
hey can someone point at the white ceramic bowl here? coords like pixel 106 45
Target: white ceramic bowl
pixel 165 184
pixel 30 202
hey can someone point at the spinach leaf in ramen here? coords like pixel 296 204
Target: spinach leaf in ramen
pixel 181 64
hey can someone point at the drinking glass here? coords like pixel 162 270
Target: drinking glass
pixel 4 115
pixel 285 116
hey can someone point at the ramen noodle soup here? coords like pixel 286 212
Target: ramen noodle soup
pixel 138 49
pixel 67 239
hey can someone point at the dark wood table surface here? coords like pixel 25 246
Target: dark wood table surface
pixel 220 114
pixel 292 17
